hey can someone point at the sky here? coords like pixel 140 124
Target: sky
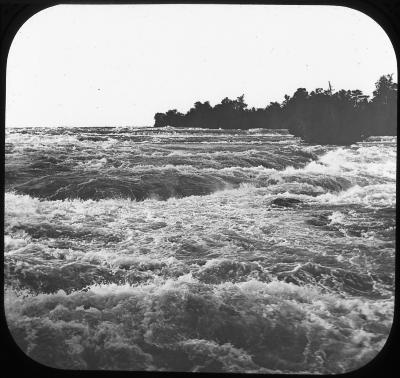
pixel 118 65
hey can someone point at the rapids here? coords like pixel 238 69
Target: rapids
pixel 198 250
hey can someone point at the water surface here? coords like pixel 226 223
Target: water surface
pixel 198 250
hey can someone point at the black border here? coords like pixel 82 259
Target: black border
pixel 13 14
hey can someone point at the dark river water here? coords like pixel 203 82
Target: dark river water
pixel 198 250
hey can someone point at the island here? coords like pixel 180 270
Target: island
pixel 322 116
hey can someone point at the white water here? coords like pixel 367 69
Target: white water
pixel 217 276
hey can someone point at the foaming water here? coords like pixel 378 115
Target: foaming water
pixel 198 250
pixel 186 325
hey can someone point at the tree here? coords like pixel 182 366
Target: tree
pixel 383 107
pixel 321 116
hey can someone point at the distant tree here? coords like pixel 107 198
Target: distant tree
pixel 383 107
pixel 321 116
pixel 160 120
pixel 386 89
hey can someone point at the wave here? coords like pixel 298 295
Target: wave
pixel 192 250
pixel 184 325
pixel 155 183
pixel 162 183
pixel 56 137
pixel 65 169
pixel 380 195
pixel 48 244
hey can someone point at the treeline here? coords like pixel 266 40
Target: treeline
pixel 321 116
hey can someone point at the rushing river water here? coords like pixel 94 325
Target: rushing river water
pixel 198 250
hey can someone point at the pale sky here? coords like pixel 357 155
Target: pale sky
pixel 117 65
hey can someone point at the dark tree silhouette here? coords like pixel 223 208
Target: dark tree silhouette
pixel 322 116
pixel 383 107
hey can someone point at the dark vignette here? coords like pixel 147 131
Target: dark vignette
pixel 14 13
